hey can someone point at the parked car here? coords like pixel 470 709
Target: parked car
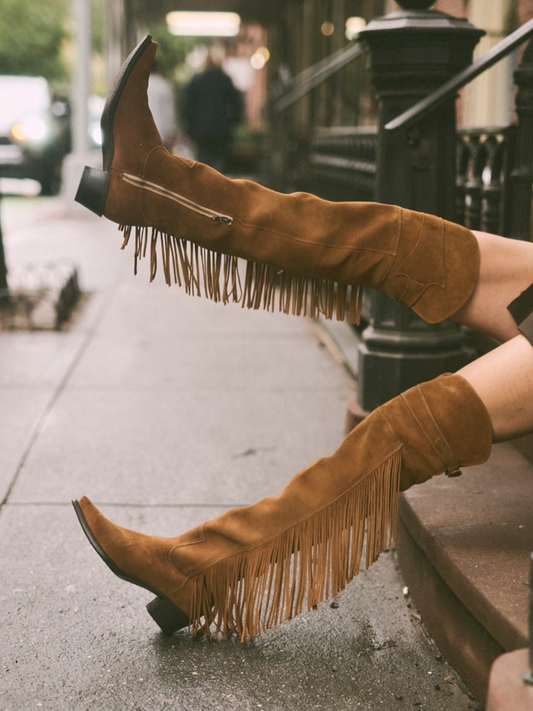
pixel 34 131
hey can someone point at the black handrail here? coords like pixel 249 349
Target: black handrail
pixel 317 73
pixel 448 89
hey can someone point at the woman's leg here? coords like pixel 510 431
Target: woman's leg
pixel 503 379
pixel 222 571
pixel 255 566
pixel 506 270
pixel 197 227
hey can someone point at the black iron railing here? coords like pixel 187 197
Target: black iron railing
pixel 487 187
pixel 448 90
pixel 494 166
pixel 315 75
pixel 342 163
pixel 483 166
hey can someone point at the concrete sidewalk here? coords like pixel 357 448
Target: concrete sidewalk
pixel 166 410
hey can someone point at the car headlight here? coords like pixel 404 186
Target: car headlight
pixel 32 130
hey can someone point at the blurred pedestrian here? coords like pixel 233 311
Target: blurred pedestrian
pixel 213 107
pixel 162 105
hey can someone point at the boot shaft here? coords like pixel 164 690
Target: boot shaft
pixel 318 254
pixel 443 425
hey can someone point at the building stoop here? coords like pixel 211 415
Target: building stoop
pixel 465 547
pixel 464 550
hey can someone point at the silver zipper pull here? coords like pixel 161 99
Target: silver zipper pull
pixel 222 218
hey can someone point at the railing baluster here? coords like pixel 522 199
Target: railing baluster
pixel 462 161
pixel 474 184
pixel 492 190
pixel 449 89
pixel 342 163
pixel 527 674
pixel 521 179
pixel 483 156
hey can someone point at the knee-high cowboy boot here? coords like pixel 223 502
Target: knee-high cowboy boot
pixel 256 566
pixel 305 254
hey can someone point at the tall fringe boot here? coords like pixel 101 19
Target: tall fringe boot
pixel 303 255
pixel 255 566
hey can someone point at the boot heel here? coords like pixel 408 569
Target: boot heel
pixel 92 190
pixel 169 617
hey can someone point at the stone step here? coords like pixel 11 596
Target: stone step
pixel 464 550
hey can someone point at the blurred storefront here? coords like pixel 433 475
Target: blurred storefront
pixel 299 33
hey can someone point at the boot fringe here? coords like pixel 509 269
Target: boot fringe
pixel 315 559
pixel 218 277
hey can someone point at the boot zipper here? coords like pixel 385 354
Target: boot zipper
pixel 194 206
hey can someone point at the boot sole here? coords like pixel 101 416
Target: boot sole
pixel 94 183
pixel 165 614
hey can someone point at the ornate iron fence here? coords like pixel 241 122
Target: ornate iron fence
pixel 342 163
pixel 484 162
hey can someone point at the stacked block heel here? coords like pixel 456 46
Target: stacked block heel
pixel 92 190
pixel 169 617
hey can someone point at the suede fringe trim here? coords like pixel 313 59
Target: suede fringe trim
pixel 218 277
pixel 313 560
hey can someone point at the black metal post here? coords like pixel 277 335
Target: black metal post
pixel 531 619
pixel 3 266
pixel 518 207
pixel 527 674
pixel 411 53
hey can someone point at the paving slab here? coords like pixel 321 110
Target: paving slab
pixel 177 447
pixel 172 408
pixel 242 363
pixel 74 637
pixel 37 359
pixel 172 345
pixel 51 235
pixel 162 311
pixel 480 539
pixel 465 549
pixel 21 411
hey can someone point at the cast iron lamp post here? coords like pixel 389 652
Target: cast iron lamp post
pixel 412 52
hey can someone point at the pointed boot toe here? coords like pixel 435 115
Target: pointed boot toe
pixel 256 566
pixel 140 560
pixel 300 254
pixel 120 127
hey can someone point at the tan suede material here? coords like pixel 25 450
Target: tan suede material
pixel 442 425
pixel 134 130
pixel 433 427
pixel 308 492
pixel 145 558
pixel 166 564
pixel 436 266
pixel 427 263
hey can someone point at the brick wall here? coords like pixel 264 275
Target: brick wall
pixel 459 8
pixel 452 7
pixel 524 11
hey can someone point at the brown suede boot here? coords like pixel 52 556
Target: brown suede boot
pixel 302 253
pixel 255 566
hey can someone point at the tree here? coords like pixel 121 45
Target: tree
pixel 32 35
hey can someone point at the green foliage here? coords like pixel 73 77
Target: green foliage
pixel 32 33
pixel 98 25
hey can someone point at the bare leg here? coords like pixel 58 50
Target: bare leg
pixel 503 379
pixel 506 269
